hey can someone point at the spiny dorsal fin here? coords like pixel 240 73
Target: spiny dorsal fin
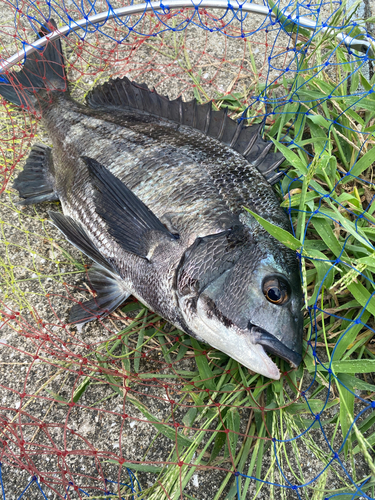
pixel 247 141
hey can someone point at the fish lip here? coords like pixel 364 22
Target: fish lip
pixel 274 346
pixel 266 366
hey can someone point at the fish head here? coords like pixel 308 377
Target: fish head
pixel 243 297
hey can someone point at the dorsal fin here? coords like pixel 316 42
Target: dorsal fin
pixel 245 140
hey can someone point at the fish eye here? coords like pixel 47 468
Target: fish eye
pixel 276 290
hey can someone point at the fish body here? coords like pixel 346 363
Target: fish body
pixel 153 191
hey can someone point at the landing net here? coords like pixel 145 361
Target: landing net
pixel 129 407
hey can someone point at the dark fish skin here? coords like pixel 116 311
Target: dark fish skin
pixel 202 183
pixel 206 275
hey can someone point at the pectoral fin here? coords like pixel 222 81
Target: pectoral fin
pixel 129 221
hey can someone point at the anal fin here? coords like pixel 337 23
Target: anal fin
pixel 110 294
pixel 35 183
pixel 103 277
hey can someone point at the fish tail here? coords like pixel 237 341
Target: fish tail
pixel 42 73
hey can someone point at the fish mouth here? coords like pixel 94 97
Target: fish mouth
pixel 273 345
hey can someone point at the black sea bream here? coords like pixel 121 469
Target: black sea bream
pixel 153 192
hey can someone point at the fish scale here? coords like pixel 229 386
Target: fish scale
pixel 237 183
pixel 153 191
pixel 195 192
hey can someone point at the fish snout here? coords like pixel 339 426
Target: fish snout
pixel 274 346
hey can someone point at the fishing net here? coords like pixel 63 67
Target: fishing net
pixel 130 407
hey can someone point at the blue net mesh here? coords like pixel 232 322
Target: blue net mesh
pixel 229 433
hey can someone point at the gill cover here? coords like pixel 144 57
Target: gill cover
pixel 221 287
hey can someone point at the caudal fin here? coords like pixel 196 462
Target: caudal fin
pixel 43 71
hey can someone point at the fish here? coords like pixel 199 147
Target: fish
pixel 154 192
